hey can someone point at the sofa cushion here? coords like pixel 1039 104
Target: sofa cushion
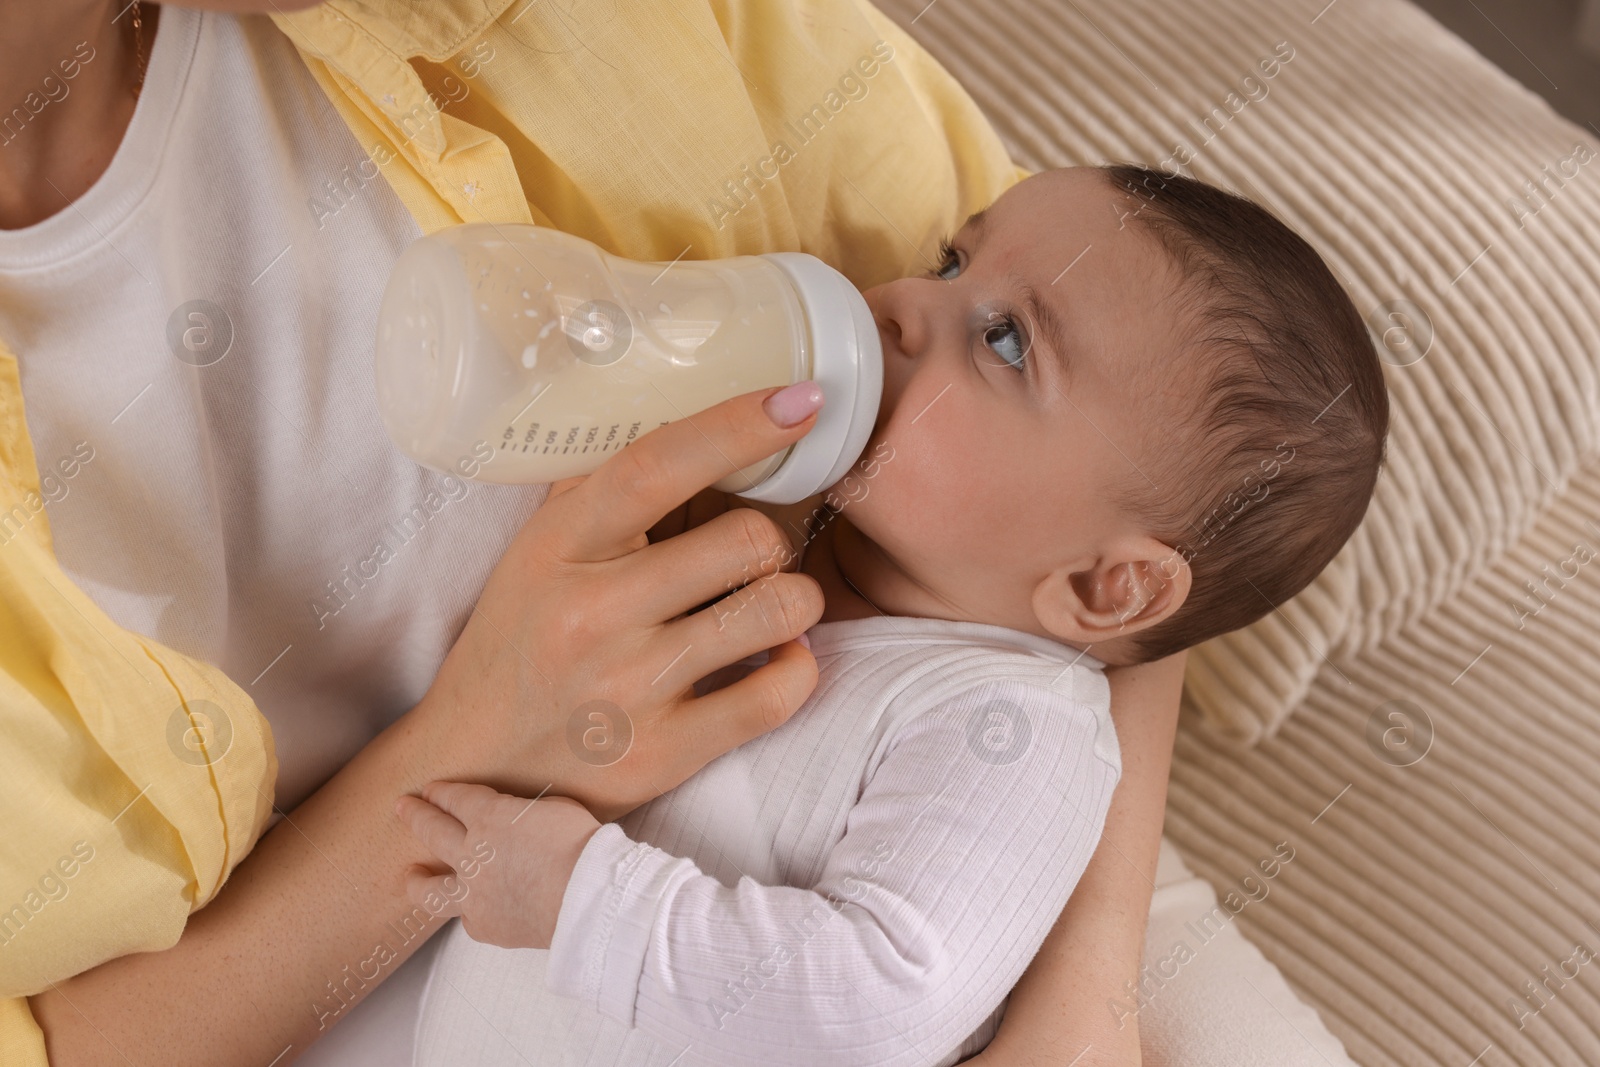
pixel 1460 211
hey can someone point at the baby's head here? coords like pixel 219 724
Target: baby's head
pixel 1126 411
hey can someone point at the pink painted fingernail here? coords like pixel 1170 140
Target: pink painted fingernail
pixel 804 640
pixel 791 405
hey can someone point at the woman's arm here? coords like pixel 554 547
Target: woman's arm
pixel 283 950
pixel 1061 1011
pixel 581 609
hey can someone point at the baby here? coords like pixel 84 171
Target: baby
pixel 1122 414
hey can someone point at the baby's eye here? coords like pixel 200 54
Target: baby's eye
pixel 1006 341
pixel 949 262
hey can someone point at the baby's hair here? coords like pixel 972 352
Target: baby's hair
pixel 1278 463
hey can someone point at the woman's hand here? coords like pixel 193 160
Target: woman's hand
pixel 580 609
pixel 576 670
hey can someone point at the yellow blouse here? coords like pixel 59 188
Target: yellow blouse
pixel 133 778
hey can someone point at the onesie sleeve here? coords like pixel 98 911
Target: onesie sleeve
pixel 963 848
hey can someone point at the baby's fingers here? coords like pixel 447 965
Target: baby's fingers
pixel 470 804
pixel 438 832
pixel 439 894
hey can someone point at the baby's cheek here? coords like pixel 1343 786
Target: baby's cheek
pixel 925 459
pixel 895 497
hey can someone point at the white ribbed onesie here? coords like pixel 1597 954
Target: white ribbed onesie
pixel 864 884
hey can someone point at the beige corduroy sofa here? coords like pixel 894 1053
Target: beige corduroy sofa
pixel 1422 726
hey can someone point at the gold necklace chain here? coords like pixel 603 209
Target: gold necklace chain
pixel 138 48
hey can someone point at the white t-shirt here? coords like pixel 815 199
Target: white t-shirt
pixel 222 500
pixel 232 510
pixel 862 885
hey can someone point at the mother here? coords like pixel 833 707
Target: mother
pixel 194 243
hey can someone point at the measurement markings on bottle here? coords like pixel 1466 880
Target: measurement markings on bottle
pixel 572 439
pixel 563 440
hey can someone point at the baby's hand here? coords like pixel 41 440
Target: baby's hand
pixel 509 859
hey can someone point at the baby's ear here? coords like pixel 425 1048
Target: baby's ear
pixel 1137 585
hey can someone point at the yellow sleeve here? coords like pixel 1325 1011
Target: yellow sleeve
pixel 132 779
pixel 701 128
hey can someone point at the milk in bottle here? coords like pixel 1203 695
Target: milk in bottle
pixel 556 355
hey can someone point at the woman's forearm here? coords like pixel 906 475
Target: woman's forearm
pixel 1064 1005
pixel 308 924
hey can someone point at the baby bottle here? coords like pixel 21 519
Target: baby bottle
pixel 539 347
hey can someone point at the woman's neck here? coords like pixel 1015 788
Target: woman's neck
pixel 66 80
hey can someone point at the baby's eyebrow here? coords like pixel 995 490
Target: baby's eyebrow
pixel 975 221
pixel 1038 310
pixel 1045 316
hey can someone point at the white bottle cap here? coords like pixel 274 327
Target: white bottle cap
pixel 847 362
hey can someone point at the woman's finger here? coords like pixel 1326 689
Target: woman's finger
pixel 710 561
pixel 755 704
pixel 439 894
pixel 565 485
pixel 439 833
pixel 633 490
pixel 762 615
pixel 671 525
pixel 702 507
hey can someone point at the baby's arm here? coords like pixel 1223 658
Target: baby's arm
pixel 960 853
pixel 964 845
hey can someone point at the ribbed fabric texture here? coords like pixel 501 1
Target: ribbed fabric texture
pixel 1426 897
pixel 861 886
pixel 1431 891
